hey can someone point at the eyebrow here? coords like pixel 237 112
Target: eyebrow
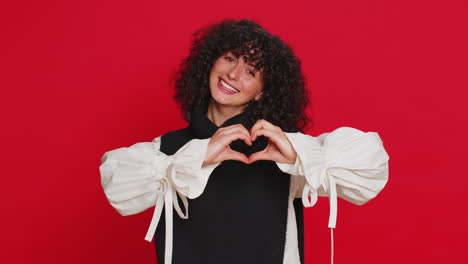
pixel 253 66
pixel 243 57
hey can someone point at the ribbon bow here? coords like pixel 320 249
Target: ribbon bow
pixel 166 196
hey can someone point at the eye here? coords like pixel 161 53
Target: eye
pixel 251 72
pixel 229 58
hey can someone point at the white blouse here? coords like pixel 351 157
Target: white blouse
pixel 346 163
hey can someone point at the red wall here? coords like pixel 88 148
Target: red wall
pixel 79 78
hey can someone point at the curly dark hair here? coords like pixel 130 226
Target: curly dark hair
pixel 284 97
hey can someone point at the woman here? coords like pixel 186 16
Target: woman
pixel 242 159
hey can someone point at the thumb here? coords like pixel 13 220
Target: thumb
pixel 261 155
pixel 234 155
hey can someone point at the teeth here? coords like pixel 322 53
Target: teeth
pixel 227 86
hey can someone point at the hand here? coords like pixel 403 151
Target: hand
pixel 278 149
pixel 218 146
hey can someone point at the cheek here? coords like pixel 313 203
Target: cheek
pixel 218 66
pixel 214 72
pixel 254 86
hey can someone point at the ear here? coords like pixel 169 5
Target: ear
pixel 258 96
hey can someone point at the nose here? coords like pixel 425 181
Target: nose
pixel 233 72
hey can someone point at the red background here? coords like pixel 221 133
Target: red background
pixel 80 78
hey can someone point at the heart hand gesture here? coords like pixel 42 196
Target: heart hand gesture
pixel 218 147
pixel 279 148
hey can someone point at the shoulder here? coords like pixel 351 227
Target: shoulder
pixel 174 140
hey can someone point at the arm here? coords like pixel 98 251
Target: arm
pixel 346 163
pixel 138 177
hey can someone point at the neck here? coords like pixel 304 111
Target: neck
pixel 218 114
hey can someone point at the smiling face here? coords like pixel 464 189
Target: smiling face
pixel 234 83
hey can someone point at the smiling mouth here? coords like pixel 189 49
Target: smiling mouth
pixel 225 87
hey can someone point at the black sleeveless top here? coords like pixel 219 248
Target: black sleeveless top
pixel 241 216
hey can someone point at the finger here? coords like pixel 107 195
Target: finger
pixel 243 130
pixel 261 155
pixel 272 135
pixel 234 155
pixel 238 134
pixel 262 123
pixel 256 126
pixel 281 142
pixel 268 124
pixel 231 128
pixel 229 138
pixel 221 139
pixel 237 126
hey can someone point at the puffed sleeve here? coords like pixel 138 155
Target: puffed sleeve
pixel 346 163
pixel 131 176
pixel 138 177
